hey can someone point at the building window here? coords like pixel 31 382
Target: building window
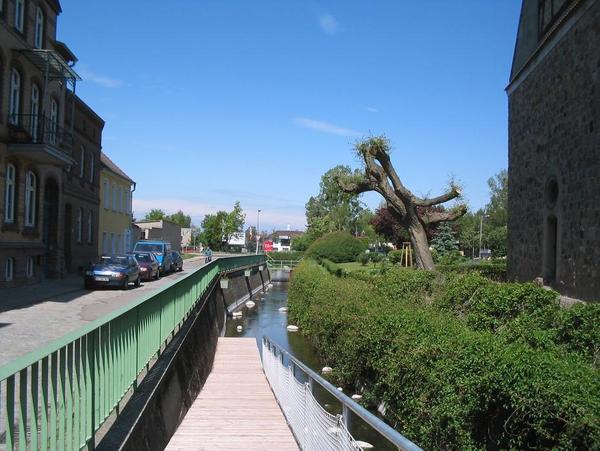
pixel 39 29
pixel 35 110
pixel 53 120
pixel 114 197
pixel 120 200
pixel 104 242
pixel 9 193
pixel 82 162
pixel 106 190
pixel 30 267
pixel 14 104
pixel 119 244
pixel 90 237
pixel 19 14
pixel 9 269
pixel 113 244
pixel 91 167
pixel 79 225
pixel 30 198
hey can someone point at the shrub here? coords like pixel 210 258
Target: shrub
pixel 395 256
pixel 339 247
pixel 364 258
pixel 376 257
pixel 445 384
pixel 333 268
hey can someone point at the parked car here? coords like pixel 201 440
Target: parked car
pixel 160 249
pixel 113 271
pixel 176 261
pixel 149 266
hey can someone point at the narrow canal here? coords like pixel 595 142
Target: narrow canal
pixel 265 318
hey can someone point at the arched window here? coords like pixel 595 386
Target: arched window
pixel 9 269
pixel 35 110
pixel 30 198
pixel 91 167
pixel 30 267
pixel 82 162
pixel 90 237
pixel 19 14
pixel 38 40
pixel 14 103
pixel 9 193
pixel 79 223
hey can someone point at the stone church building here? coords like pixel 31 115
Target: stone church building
pixel 554 147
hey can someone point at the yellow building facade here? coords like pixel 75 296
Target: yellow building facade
pixel 115 218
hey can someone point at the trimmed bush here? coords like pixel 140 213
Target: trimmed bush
pixel 448 383
pixel 292 255
pixel 395 256
pixel 339 247
pixel 364 258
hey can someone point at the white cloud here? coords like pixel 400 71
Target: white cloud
pixel 99 79
pixel 370 109
pixel 324 127
pixel 328 24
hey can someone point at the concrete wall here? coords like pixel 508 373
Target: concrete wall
pixel 554 137
pixel 159 405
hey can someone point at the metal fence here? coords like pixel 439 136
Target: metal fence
pixel 58 397
pixel 314 427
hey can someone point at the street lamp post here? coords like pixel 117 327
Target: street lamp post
pixel 257 230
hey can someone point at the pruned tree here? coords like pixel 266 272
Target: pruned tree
pixel 379 175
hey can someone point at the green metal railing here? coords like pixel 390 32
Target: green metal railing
pixel 58 396
pixel 284 265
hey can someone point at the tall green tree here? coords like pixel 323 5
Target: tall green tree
pixel 181 218
pixel 155 214
pixel 218 228
pixel 333 209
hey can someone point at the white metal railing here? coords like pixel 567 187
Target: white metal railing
pixel 314 427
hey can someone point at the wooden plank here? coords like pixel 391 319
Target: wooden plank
pixel 236 408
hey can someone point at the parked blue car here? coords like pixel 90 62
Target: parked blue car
pixel 160 249
pixel 113 271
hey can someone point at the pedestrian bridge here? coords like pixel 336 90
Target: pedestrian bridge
pixel 155 374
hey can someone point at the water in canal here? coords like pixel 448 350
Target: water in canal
pixel 266 319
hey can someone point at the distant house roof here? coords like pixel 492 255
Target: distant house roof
pixel 111 166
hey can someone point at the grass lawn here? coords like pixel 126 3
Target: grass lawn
pixel 354 266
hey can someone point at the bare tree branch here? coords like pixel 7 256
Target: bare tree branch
pixel 452 194
pixel 442 216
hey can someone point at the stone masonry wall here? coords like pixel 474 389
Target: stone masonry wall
pixel 554 132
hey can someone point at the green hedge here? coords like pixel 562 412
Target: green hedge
pixel 292 255
pixel 339 247
pixel 446 383
pixel 492 270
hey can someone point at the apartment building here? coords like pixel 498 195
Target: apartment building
pixel 41 137
pixel 115 226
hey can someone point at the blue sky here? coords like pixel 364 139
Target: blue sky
pixel 209 102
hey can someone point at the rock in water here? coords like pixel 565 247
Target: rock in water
pixel 239 328
pixel 250 304
pixel 357 397
pixel 292 328
pixel 340 389
pixel 326 369
pixel 237 315
pixel 363 445
pixel 283 309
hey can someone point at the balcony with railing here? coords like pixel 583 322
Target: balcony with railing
pixel 40 138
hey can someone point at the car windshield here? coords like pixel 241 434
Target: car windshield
pixel 143 258
pixel 113 261
pixel 149 247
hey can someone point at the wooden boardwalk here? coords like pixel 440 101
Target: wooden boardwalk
pixel 236 409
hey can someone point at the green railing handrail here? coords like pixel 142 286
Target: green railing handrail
pixel 59 395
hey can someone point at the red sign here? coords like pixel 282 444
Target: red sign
pixel 268 246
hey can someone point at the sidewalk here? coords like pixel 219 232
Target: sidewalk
pixel 18 297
